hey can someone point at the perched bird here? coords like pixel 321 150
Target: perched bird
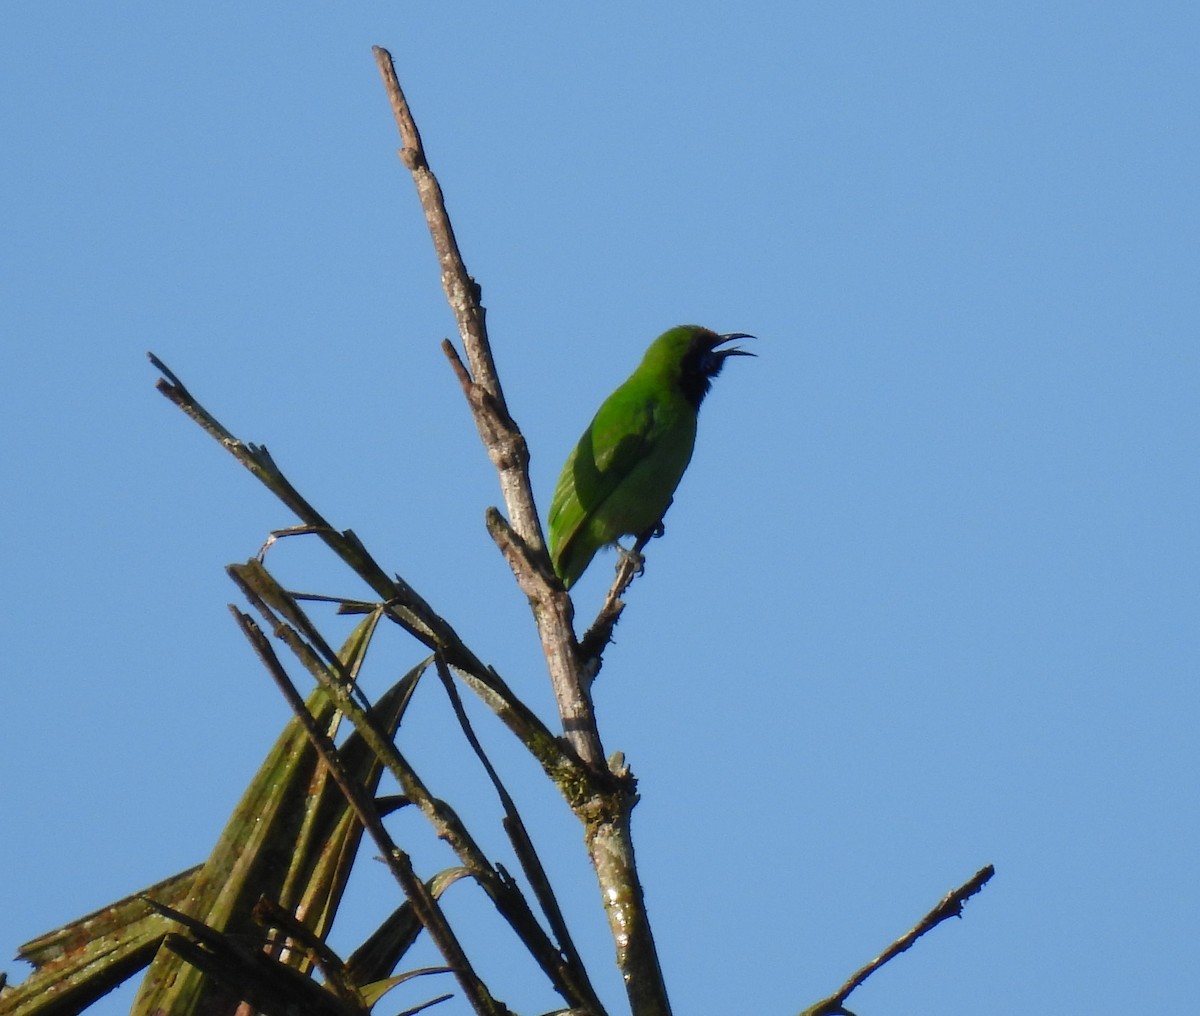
pixel 621 477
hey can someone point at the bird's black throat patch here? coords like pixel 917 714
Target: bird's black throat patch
pixel 700 365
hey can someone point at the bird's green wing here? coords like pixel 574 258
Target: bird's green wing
pixel 620 437
pixel 616 440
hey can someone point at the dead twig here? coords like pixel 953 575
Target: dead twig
pixel 950 905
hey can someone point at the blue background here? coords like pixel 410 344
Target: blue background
pixel 928 596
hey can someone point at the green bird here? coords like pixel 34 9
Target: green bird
pixel 622 475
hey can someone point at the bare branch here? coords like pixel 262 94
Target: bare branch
pixel 950 905
pixel 604 800
pixel 555 616
pixel 504 442
pixel 401 603
pixel 501 437
pixel 462 292
pixel 599 635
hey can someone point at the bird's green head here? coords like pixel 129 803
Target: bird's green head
pixel 688 356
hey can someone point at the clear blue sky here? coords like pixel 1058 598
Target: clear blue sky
pixel 929 593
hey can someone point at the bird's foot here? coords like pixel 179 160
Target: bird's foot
pixel 660 527
pixel 634 557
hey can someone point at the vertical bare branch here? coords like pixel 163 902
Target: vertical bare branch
pixel 526 547
pixel 504 442
pixel 605 801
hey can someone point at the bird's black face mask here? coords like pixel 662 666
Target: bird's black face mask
pixel 704 362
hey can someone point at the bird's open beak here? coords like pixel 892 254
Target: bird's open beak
pixel 735 351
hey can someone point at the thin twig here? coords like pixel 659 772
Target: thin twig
pixel 462 291
pixel 401 603
pixel 505 445
pixel 950 905
pixel 599 635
